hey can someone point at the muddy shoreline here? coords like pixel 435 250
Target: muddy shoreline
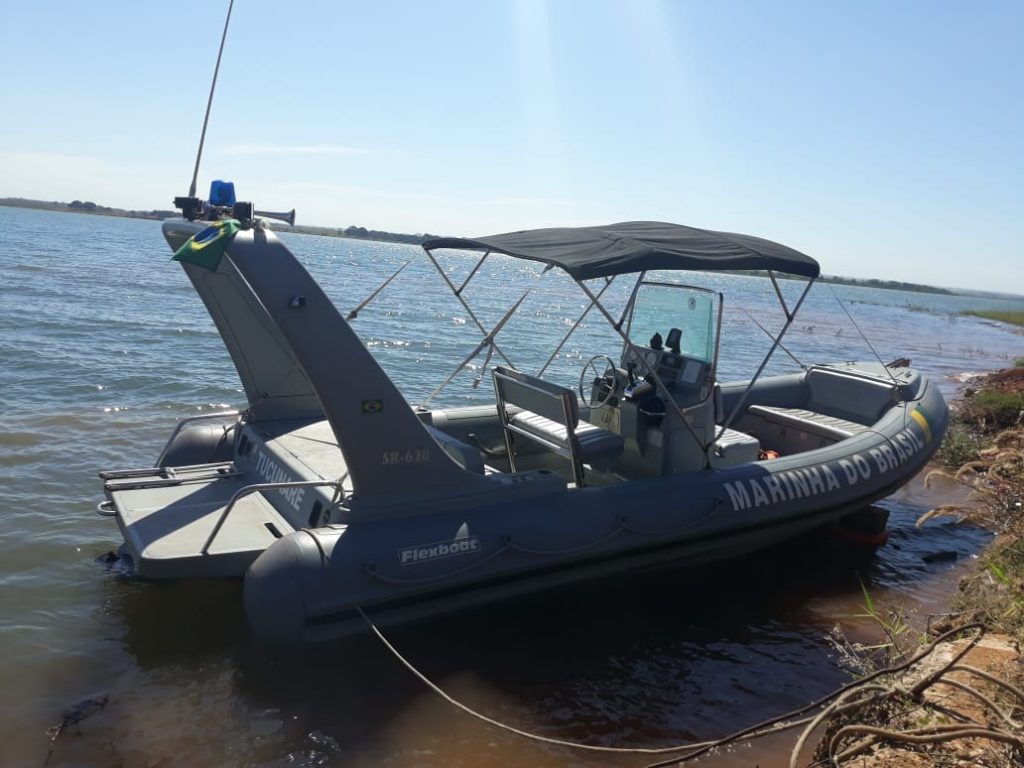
pixel 971 712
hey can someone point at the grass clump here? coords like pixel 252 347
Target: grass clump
pixel 990 410
pixel 1002 316
pixel 995 594
pixel 960 446
pixel 984 412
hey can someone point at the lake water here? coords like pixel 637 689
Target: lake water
pixel 103 346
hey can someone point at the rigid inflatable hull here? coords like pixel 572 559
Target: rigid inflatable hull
pixel 307 586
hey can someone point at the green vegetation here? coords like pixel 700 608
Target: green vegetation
pixel 991 410
pixel 995 594
pixel 985 448
pixel 960 446
pixel 888 285
pixel 1014 318
pixel 355 233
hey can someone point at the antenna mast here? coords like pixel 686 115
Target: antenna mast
pixel 192 207
pixel 209 103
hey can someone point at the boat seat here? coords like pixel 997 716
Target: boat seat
pixel 734 447
pixel 849 396
pixel 830 427
pixel 594 442
pixel 550 416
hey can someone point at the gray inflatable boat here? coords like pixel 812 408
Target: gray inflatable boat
pixel 330 495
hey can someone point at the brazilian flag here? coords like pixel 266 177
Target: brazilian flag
pixel 205 248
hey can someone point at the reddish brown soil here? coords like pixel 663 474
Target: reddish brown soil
pixel 1010 380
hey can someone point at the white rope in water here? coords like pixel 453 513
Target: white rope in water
pixel 773 726
pixel 512 729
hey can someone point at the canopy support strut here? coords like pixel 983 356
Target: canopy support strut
pixel 487 341
pixel 775 345
pixel 355 312
pixel 472 273
pixel 782 299
pixel 465 305
pixel 770 335
pixel 607 284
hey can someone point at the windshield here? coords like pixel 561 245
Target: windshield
pixel 662 307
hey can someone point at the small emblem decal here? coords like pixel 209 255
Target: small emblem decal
pixel 372 406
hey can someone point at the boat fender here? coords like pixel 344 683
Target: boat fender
pixel 275 587
pixel 200 444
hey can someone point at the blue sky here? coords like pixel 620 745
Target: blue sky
pixel 885 139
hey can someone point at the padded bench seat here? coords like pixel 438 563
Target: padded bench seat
pixel 594 443
pixel 819 424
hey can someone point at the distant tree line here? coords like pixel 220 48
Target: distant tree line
pixel 355 233
pixel 85 206
pixel 889 285
pixel 362 233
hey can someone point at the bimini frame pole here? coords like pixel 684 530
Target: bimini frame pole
pixel 355 312
pixel 488 341
pixel 770 335
pixel 775 345
pixel 458 295
pixel 607 284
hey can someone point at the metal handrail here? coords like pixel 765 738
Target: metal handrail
pixel 242 492
pixel 188 420
pixel 167 472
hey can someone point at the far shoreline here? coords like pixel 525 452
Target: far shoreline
pixel 402 238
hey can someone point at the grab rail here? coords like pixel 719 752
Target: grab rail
pixel 241 492
pixel 188 420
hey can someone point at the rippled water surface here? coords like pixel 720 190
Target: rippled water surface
pixel 104 346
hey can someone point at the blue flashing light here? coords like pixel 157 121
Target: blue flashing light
pixel 222 193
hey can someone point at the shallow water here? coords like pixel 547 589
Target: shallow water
pixel 104 346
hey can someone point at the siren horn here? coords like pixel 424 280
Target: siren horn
pixel 288 217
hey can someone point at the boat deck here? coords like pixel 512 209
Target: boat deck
pixel 312 446
pixel 167 517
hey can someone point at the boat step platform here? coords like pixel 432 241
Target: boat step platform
pixel 168 515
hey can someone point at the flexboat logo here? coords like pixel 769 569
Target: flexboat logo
pixel 442 549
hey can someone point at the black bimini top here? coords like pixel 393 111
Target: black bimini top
pixel 635 246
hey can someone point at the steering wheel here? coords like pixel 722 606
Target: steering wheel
pixel 596 376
